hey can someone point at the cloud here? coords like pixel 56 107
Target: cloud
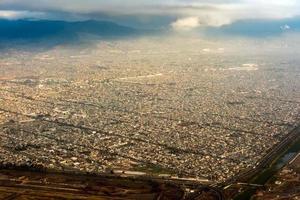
pixel 285 27
pixel 185 14
pixel 189 23
pixel 7 14
pixel 186 23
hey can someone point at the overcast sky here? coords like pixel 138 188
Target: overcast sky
pixel 179 14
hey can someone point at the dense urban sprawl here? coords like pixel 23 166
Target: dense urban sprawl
pixel 205 112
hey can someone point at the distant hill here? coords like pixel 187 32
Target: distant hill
pixel 44 29
pixel 258 27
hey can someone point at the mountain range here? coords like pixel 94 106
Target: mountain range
pixel 44 29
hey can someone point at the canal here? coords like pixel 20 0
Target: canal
pixel 266 174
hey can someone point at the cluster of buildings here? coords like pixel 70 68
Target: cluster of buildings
pixel 191 115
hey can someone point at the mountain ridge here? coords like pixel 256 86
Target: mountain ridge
pixel 25 29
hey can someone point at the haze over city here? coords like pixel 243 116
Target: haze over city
pixel 198 94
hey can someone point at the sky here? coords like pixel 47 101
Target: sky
pixel 177 14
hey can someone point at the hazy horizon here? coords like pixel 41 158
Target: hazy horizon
pixel 178 91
